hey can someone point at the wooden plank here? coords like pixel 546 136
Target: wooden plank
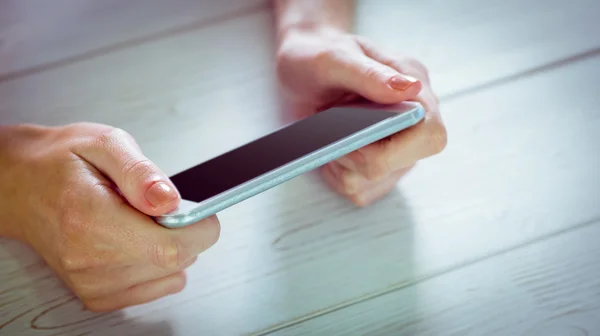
pixel 519 166
pixel 37 35
pixel 548 288
pixel 470 42
pixel 219 76
pixel 514 173
pixel 505 37
pixel 174 84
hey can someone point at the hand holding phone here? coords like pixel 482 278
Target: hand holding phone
pixel 282 155
pixel 318 68
pixel 82 196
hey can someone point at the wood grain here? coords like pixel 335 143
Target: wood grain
pixel 36 35
pixel 469 43
pixel 172 85
pixel 548 288
pixel 520 165
pixel 516 170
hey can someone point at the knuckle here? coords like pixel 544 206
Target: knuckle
pixel 72 223
pixel 437 136
pixel 370 72
pixel 72 262
pixel 205 234
pixel 68 217
pixel 359 200
pixel 378 166
pixel 364 42
pixel 136 168
pixel 95 306
pixel 322 63
pixel 372 79
pixel 413 67
pixel 214 232
pixel 84 291
pixel 417 65
pixel 376 169
pixel 381 167
pixel 350 182
pixel 85 127
pixel 167 255
pixel 190 262
pixel 324 56
pixel 109 137
pixel 91 306
pixel 179 283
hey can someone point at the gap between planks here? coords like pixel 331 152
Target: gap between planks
pixel 448 97
pixel 406 284
pixel 133 42
pixel 442 272
pixel 592 53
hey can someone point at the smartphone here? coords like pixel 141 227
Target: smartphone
pixel 297 148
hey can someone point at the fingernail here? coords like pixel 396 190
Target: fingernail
pixel 402 82
pixel 160 193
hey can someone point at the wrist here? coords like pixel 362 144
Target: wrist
pixel 298 34
pixel 313 17
pixel 12 153
pixel 308 28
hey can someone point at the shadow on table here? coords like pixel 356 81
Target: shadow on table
pixel 335 255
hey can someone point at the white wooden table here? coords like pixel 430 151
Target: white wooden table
pixel 498 235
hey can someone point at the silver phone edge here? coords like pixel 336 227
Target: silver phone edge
pixel 187 213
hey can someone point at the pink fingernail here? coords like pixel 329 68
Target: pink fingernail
pixel 160 193
pixel 402 82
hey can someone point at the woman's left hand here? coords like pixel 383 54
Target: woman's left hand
pixel 321 68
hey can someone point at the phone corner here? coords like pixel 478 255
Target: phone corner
pixel 419 113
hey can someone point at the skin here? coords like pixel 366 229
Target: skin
pixel 321 64
pixel 82 195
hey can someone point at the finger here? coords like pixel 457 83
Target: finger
pixel 370 79
pixel 378 191
pixel 405 65
pixel 332 180
pixel 344 99
pixel 379 159
pixel 350 183
pixel 139 294
pixel 370 193
pixel 134 237
pixel 171 248
pixel 142 183
pixel 103 282
pixel 354 183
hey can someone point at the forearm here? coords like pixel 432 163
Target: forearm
pixel 313 14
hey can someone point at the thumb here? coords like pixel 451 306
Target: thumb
pixel 372 80
pixel 142 183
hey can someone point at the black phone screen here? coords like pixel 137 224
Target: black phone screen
pixel 274 150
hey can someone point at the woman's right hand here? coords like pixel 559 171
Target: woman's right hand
pixel 82 195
